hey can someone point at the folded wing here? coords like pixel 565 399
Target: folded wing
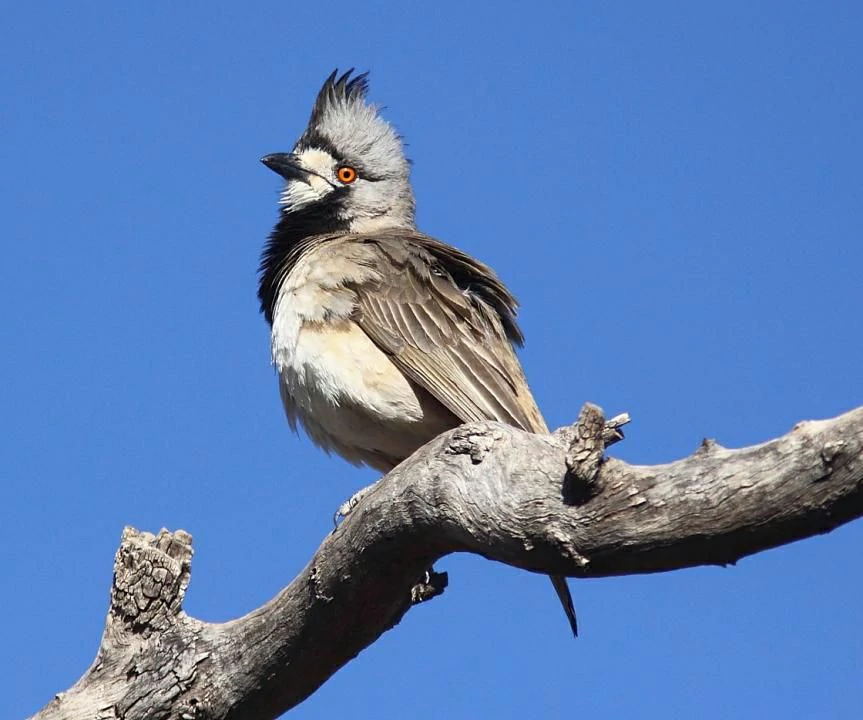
pixel 448 324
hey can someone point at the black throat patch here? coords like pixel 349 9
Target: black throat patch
pixel 289 240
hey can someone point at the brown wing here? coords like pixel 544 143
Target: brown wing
pixel 448 323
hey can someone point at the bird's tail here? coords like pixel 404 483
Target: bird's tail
pixel 562 590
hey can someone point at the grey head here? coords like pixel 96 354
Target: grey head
pixel 348 170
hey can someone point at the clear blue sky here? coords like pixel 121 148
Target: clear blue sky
pixel 673 191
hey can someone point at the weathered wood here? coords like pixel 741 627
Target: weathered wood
pixel 484 488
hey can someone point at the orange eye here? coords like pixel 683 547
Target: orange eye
pixel 346 174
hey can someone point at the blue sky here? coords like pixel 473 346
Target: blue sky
pixel 672 190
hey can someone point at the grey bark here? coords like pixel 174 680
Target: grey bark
pixel 546 504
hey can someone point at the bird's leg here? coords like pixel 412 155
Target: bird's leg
pixel 348 505
pixel 430 585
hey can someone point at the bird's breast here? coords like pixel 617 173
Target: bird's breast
pixel 333 364
pixel 347 393
pixel 324 359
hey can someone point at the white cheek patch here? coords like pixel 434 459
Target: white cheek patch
pixel 299 193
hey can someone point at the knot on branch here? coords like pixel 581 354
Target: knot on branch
pixel 587 440
pixel 586 447
pixel 151 574
pixel 473 441
pixel 831 450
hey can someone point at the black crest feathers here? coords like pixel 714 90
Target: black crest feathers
pixel 339 89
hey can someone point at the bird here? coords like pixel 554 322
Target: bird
pixel 382 337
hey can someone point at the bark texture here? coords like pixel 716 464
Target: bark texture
pixel 547 504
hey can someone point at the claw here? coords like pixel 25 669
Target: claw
pixel 348 505
pixel 432 585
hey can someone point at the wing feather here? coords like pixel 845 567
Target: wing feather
pixel 449 325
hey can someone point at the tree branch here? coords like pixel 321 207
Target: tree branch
pixel 542 503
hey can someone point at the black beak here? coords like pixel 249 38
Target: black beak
pixel 286 165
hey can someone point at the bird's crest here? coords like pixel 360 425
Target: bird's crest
pixel 350 128
pixel 336 90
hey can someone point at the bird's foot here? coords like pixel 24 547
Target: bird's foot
pixel 430 586
pixel 348 505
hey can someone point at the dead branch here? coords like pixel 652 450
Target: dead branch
pixel 547 504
